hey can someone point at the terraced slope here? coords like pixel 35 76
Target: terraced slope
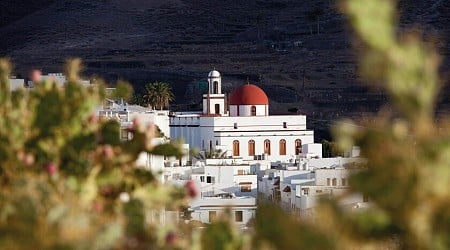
pixel 271 42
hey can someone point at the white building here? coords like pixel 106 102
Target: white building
pixel 244 127
pixel 16 83
pixel 328 182
pixel 224 184
pixel 126 115
pixel 298 188
pixel 59 78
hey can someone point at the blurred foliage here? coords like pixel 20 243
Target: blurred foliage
pixel 122 90
pixel 407 175
pixel 68 182
pixel 331 149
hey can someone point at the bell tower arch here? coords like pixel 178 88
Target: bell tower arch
pixel 214 100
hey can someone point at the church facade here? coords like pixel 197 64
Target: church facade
pixel 241 125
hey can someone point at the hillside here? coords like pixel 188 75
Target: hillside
pixel 13 10
pixel 272 43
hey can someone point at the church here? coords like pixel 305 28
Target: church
pixel 242 126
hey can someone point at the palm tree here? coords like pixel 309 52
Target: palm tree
pixel 211 154
pixel 158 95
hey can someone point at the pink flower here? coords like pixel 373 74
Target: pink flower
pixel 93 118
pixel 191 189
pixel 171 238
pixel 36 75
pixel 108 151
pixel 151 130
pixel 28 159
pixel 51 168
pixel 136 124
pixel 97 206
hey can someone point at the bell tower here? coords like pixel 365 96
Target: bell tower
pixel 214 100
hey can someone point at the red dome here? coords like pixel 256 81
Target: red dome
pixel 248 94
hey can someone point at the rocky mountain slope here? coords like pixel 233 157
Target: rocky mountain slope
pixel 300 52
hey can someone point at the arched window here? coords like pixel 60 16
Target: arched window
pixel 253 111
pixel 251 148
pixel 216 87
pixel 282 147
pixel 298 146
pixel 267 147
pixel 236 148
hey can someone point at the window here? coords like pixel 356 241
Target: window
pixel 212 216
pixel 305 191
pixel 217 109
pixel 344 182
pixel 284 124
pixel 216 87
pixel 334 181
pixel 236 148
pixel 209 179
pixel 253 111
pixel 328 182
pixel 365 198
pixel 298 146
pixel 282 147
pixel 235 125
pixel 238 216
pixel 202 178
pixel 246 188
pixel 267 147
pixel 124 134
pixel 251 148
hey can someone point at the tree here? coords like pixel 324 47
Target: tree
pixel 331 149
pixel 123 90
pixel 210 154
pixel 158 95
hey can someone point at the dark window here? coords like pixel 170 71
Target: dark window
pixel 216 87
pixel 253 111
pixel 298 146
pixel 235 125
pixel 217 108
pixel 246 188
pixel 365 198
pixel 238 216
pixel 284 124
